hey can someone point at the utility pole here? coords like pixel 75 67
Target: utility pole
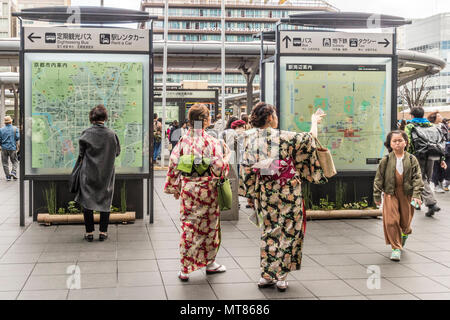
pixel 223 59
pixel 166 32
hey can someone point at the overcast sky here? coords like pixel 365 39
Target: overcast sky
pixel 402 8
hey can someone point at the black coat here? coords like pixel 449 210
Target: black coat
pixel 99 147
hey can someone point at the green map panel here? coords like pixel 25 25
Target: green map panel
pixel 355 102
pixel 63 93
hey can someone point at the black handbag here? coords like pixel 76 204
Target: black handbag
pixel 74 182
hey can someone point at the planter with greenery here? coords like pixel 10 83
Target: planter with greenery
pixel 338 209
pixel 73 212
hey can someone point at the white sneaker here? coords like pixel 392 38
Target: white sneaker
pixel 438 189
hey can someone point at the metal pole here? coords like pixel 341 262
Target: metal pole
pixel 223 59
pixel 166 32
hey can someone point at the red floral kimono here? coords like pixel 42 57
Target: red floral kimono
pixel 200 213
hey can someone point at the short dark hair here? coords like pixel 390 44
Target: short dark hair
pixel 98 113
pixel 387 143
pixel 417 112
pixel 261 111
pixel 155 116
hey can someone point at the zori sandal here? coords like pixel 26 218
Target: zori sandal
pixel 264 283
pixel 183 276
pixel 282 285
pixel 219 269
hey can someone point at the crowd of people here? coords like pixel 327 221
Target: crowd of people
pixel 272 164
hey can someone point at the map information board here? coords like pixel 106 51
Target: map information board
pixel 63 93
pixel 355 99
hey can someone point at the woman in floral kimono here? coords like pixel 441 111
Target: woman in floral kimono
pixel 200 213
pixel 274 163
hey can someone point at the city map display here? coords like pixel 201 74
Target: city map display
pixel 63 93
pixel 354 99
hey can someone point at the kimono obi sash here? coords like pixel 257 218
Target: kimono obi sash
pixel 280 170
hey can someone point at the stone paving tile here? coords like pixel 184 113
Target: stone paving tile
pixel 98 256
pixel 18 269
pixel 429 269
pixel 47 269
pixel 393 297
pixel 333 260
pixel 98 280
pixel 237 291
pixel 349 272
pixel 202 292
pixel 330 288
pixel 170 278
pixel 43 295
pixel 88 267
pixel 433 296
pixel 139 279
pixel 12 283
pixel 445 280
pixel 313 273
pixel 230 276
pixel 295 290
pixel 419 285
pixel 385 287
pixel 142 293
pixel 20 258
pixel 345 298
pixel 53 282
pixel 9 295
pixel 93 294
pixel 169 264
pixel 126 254
pixel 137 266
pixel 395 270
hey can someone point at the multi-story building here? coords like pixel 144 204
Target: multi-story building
pixel 27 4
pixel 8 25
pixel 431 36
pixel 200 20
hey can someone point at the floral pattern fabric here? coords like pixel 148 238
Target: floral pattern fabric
pixel 279 204
pixel 200 223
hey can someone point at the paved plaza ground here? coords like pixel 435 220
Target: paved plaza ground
pixel 140 261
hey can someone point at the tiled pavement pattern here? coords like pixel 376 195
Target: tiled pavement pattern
pixel 140 261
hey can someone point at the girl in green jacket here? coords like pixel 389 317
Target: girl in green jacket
pixel 399 178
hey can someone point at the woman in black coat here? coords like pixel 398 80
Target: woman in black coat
pixel 99 147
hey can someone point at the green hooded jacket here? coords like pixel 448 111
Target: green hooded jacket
pixel 385 177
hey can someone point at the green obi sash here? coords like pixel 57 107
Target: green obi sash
pixel 188 162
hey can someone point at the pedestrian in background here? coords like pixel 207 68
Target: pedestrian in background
pixel 99 147
pixel 273 188
pixel 399 178
pixel 426 161
pixel 174 134
pixel 438 176
pixel 9 137
pixel 446 126
pixel 244 117
pixel 157 137
pixel 197 188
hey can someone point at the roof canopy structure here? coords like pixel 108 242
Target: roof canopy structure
pixel 206 56
pixel 345 20
pixel 84 15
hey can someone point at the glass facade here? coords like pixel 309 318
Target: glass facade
pixel 191 23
